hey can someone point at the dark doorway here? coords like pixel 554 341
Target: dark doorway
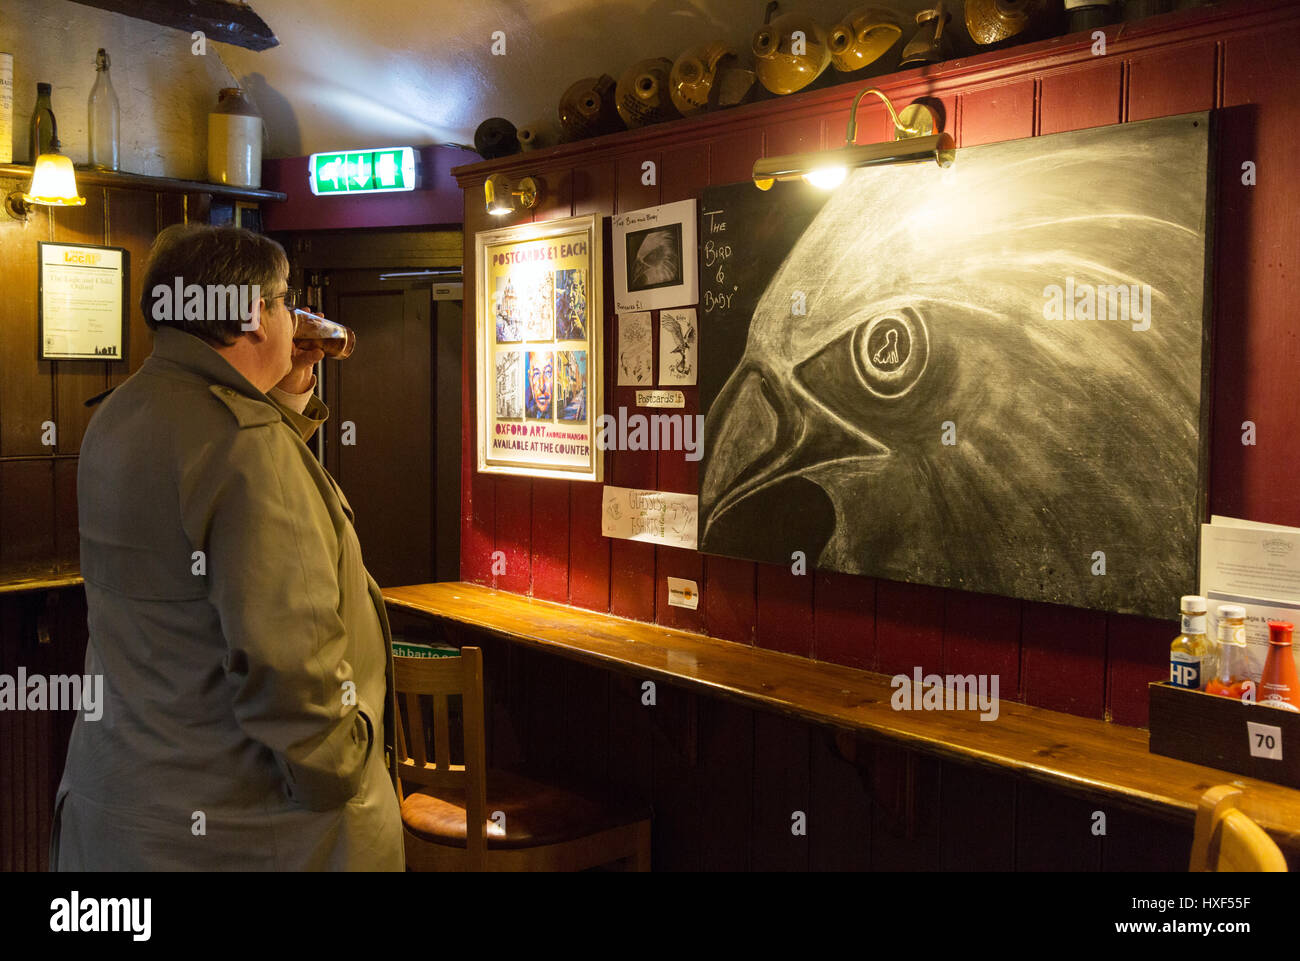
pixel 393 437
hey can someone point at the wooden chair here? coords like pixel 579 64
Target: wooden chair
pixel 545 828
pixel 1227 840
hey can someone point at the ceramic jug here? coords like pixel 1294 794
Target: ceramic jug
pixel 790 52
pixel 706 77
pixel 863 37
pixel 644 93
pixel 235 141
pixel 931 43
pixel 587 108
pixel 496 137
pixel 989 21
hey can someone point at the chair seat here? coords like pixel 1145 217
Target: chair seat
pixel 536 814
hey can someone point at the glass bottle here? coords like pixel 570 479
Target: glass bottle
pixel 1279 686
pixel 104 118
pixel 1189 654
pixel 41 136
pixel 1232 678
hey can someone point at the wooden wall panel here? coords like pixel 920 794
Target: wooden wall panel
pixel 26 401
pixel 785 610
pixel 77 380
pixel 978 818
pixel 996 113
pixel 26 530
pixel 1166 83
pixel 1255 373
pixel 909 628
pixel 1063 659
pixel 844 619
pixel 1089 96
pixel 782 795
pixel 1054 831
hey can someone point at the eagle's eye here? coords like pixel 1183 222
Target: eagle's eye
pixel 885 356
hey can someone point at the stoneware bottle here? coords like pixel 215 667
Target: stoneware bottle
pixel 587 108
pixel 863 37
pixel 930 44
pixel 235 141
pixel 790 52
pixel 643 94
pixel 705 78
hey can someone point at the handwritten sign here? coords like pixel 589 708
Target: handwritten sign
pixel 656 517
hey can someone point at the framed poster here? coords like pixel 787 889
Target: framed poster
pixel 81 302
pixel 538 348
pixel 654 258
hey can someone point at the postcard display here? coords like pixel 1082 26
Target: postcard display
pixel 538 347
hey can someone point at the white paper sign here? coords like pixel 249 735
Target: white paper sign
pixel 654 257
pixel 1258 567
pixel 634 350
pixel 683 593
pixel 657 517
pixel 678 346
pixel 82 290
pixel 660 398
pixel 1265 740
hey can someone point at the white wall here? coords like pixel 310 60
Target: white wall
pixel 165 93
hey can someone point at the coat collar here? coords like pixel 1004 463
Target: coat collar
pixel 189 352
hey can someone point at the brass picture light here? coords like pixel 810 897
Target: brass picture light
pixel 915 141
pixel 505 197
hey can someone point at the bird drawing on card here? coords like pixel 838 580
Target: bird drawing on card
pixel 683 341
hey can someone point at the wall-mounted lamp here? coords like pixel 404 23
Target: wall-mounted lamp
pixel 914 142
pixel 54 183
pixel 505 196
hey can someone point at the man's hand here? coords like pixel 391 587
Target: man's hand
pixel 301 378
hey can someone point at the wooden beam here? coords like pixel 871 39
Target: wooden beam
pixel 233 23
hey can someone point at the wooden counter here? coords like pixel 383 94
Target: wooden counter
pixel 1074 754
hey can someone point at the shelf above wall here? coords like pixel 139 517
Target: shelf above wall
pixel 127 181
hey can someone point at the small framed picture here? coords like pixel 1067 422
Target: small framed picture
pixel 81 302
pixel 654 258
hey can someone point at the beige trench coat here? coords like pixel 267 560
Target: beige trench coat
pixel 244 648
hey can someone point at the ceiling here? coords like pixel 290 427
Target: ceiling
pixel 349 74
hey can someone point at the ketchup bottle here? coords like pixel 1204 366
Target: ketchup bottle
pixel 1279 686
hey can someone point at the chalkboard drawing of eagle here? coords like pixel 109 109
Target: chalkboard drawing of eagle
pixel 935 416
pixel 681 345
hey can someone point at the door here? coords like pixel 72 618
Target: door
pixel 382 439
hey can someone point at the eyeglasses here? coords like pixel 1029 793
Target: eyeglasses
pixel 290 295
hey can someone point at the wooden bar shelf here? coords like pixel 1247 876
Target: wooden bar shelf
pixel 1075 754
pixel 127 181
pixel 41 582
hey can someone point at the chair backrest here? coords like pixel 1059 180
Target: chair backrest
pixel 1228 840
pixel 441 678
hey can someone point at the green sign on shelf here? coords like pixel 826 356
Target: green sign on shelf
pixel 383 170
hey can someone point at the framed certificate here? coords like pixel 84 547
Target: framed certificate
pixel 538 343
pixel 81 302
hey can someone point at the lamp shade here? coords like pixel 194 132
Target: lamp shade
pixel 53 183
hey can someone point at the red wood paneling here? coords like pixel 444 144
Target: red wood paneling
pixel 1165 83
pixel 1137 652
pixel 512 548
pixel 1260 241
pixel 1082 97
pixel 844 619
pixel 994 114
pixel 729 601
pixel 909 628
pixel 1063 658
pixel 785 610
pixel 981 635
pixel 550 539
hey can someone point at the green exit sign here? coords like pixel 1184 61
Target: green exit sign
pixel 380 171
